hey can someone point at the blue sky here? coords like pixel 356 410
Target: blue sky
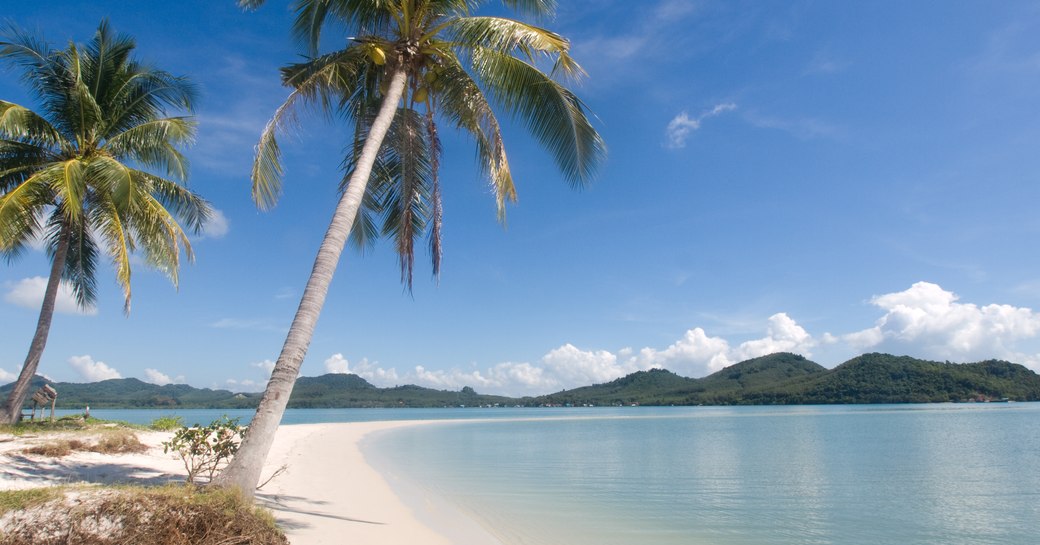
pixel 827 178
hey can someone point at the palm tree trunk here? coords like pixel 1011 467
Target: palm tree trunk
pixel 244 470
pixel 13 405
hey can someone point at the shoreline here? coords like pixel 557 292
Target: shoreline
pixel 331 489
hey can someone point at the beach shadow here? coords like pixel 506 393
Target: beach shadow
pixel 57 471
pixel 281 503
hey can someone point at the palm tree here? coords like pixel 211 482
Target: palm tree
pixel 407 64
pixel 72 174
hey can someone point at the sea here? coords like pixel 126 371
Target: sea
pixel 934 474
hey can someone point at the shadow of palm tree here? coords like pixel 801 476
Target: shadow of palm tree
pixel 303 506
pixel 54 471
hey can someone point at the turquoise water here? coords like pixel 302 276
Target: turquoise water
pixel 906 474
pixel 844 475
pixel 313 416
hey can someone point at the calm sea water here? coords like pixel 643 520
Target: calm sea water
pixel 843 475
pixel 893 474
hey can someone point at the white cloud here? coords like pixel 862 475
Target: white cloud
pixel 568 366
pixel 92 371
pixel 927 321
pixel 680 127
pixel 266 365
pixel 29 292
pixel 782 335
pixel 217 226
pixel 6 377
pixel 365 369
pixel 337 364
pixel 161 379
pixel 924 321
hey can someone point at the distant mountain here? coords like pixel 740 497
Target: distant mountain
pixel 776 379
pixel 340 390
pixel 653 387
pixel 131 393
pixel 881 378
pixel 726 387
pixel 326 391
pixel 789 379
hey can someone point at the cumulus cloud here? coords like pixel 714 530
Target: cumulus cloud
pixel 28 293
pixel 92 371
pixel 696 354
pixel 217 226
pixel 680 127
pixel 161 379
pixel 7 377
pixel 924 321
pixel 365 369
pixel 266 365
pixel 928 321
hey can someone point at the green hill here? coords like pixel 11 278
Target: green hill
pixel 339 390
pixel 881 378
pixel 770 380
pixel 653 387
pixel 131 393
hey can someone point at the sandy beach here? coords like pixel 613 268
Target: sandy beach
pixel 328 492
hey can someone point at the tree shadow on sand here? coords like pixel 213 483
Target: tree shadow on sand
pixel 57 471
pixel 282 503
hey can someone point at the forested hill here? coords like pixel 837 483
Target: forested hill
pixel 770 380
pixel 789 379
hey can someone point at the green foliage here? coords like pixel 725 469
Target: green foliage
pixel 69 173
pixel 770 380
pixel 787 379
pixel 166 423
pixel 131 393
pixel 206 449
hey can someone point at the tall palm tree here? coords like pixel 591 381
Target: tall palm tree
pixel 407 64
pixel 72 175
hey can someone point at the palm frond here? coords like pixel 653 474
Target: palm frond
pixel 153 144
pixel 463 102
pixel 369 16
pixel 80 260
pixel 555 116
pixel 19 160
pixel 316 81
pixel 538 8
pixel 505 36
pixel 20 210
pixel 111 227
pixel 24 125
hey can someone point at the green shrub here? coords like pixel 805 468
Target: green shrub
pixel 205 450
pixel 167 423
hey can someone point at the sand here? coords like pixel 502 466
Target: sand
pixel 328 492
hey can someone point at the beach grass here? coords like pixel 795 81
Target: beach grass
pixel 166 515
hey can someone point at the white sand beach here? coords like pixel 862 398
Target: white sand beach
pixel 328 492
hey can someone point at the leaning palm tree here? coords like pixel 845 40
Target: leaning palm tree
pixel 407 65
pixel 71 175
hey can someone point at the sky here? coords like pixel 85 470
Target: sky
pixel 824 178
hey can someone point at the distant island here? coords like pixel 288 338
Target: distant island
pixel 776 379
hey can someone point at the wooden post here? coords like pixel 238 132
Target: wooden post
pixel 53 394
